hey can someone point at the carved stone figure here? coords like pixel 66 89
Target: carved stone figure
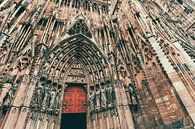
pixel 8 98
pixel 109 96
pixel 52 100
pixel 4 91
pixel 103 98
pixel 39 95
pixel 57 100
pixel 97 99
pixel 44 103
pixel 97 48
pixel 91 101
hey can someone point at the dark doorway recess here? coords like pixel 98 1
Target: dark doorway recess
pixel 73 121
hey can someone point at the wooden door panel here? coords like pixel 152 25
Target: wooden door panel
pixel 74 100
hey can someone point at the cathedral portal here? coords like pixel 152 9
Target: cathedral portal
pixel 97 64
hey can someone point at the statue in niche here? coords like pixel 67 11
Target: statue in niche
pixel 110 96
pixel 39 95
pixel 7 91
pixel 6 97
pixel 91 101
pixel 52 100
pixel 97 97
pixel 57 100
pixel 44 103
pixel 5 88
pixel 103 98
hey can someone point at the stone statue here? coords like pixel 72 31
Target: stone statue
pixel 39 94
pixel 103 98
pixel 97 99
pixel 6 87
pixel 44 103
pixel 91 101
pixel 109 96
pixel 6 98
pixel 52 101
pixel 57 100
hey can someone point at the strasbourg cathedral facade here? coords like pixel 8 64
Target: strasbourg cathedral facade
pixel 97 64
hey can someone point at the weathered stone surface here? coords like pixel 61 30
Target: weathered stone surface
pixel 134 60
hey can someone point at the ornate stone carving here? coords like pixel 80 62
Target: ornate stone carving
pixel 92 101
pixel 52 100
pixel 5 93
pixel 57 102
pixel 103 98
pixel 23 63
pixel 97 99
pixel 110 96
pixel 45 99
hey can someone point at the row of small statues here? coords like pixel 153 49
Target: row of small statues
pixel 47 98
pixel 101 99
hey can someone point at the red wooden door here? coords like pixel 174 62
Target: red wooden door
pixel 74 100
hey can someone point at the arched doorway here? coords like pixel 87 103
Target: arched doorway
pixel 77 60
pixel 74 107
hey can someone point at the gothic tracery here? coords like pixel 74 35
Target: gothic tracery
pixel 127 64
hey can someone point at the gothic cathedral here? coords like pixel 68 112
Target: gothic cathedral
pixel 97 64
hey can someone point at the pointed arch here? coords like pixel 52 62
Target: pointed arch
pixel 77 47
